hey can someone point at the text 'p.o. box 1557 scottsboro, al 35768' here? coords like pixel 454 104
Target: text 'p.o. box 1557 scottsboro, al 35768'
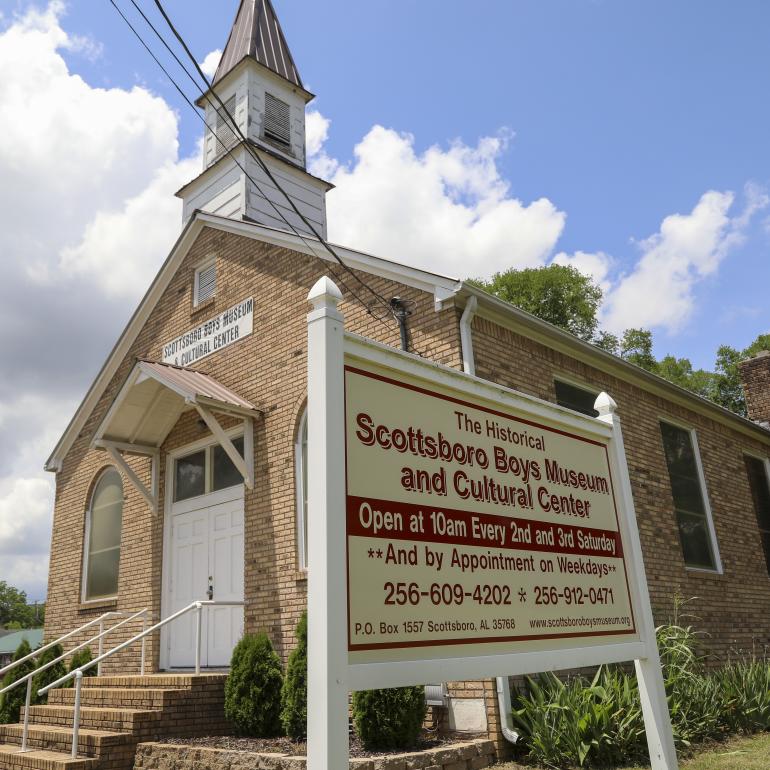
pixel 458 530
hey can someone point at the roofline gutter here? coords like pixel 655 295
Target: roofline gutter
pixel 466 338
pixel 549 334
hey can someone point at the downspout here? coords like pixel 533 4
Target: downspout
pixel 469 367
pixel 466 340
pixel 504 705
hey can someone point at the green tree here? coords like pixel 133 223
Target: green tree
pixel 558 294
pixel 12 701
pixel 14 607
pixel 294 693
pixel 253 688
pixel 636 348
pixel 51 674
pixel 389 719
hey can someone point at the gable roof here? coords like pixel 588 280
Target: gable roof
pixel 443 289
pixel 257 33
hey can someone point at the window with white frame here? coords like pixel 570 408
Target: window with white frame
pixel 576 398
pixel 760 494
pixel 104 522
pixel 206 470
pixel 205 281
pixel 690 501
pixel 300 460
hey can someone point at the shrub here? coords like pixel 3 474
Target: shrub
pixel 294 693
pixel 12 701
pixel 253 688
pixel 80 658
pixel 51 674
pixel 389 719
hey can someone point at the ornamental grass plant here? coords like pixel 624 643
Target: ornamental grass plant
pixel 599 723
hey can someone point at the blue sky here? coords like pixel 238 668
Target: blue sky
pixel 626 138
pixel 623 112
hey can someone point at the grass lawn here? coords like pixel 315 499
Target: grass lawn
pixel 736 754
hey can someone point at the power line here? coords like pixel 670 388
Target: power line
pixel 256 156
pixel 230 153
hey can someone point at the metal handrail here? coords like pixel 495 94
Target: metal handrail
pixel 28 678
pixel 42 649
pixel 77 674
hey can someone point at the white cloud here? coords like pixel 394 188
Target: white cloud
pixel 596 265
pixel 316 133
pixel 88 176
pixel 447 210
pixel 211 62
pixel 659 291
pixel 140 228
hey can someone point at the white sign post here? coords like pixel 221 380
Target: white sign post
pixel 460 530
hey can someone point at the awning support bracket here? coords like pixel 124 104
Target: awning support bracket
pixel 245 465
pixel 151 495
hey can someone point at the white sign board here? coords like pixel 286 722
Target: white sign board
pixel 219 332
pixel 472 530
pixel 460 530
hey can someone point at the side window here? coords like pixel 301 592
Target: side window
pixel 300 463
pixel 573 397
pixel 690 503
pixel 103 529
pixel 760 493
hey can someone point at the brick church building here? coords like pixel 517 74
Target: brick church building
pixel 181 476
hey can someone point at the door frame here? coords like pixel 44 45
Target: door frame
pixel 212 498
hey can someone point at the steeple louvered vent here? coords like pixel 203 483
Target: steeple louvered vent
pixel 226 137
pixel 277 120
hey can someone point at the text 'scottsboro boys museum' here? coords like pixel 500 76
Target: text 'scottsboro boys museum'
pixel 152 511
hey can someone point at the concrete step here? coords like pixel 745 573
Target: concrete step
pixel 118 697
pixel 138 722
pixel 91 743
pixel 10 759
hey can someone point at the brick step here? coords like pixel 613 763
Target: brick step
pixel 10 759
pixel 119 697
pixel 134 721
pixel 91 743
pixel 156 681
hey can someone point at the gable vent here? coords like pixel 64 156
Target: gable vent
pixel 277 120
pixel 226 137
pixel 205 282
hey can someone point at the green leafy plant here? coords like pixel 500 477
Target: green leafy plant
pixel 294 693
pixel 51 674
pixel 12 701
pixel 80 658
pixel 389 719
pixel 253 688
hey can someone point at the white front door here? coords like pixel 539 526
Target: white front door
pixel 206 560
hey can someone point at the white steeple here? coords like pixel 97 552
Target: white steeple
pixel 260 86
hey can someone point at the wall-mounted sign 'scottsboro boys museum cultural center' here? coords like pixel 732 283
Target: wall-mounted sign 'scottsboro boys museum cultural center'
pixel 183 475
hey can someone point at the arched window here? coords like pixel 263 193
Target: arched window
pixel 300 463
pixel 103 527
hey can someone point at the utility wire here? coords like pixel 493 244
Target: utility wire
pixel 259 160
pixel 229 151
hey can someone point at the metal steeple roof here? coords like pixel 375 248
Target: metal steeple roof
pixel 257 33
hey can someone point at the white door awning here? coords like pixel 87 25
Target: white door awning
pixel 148 406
